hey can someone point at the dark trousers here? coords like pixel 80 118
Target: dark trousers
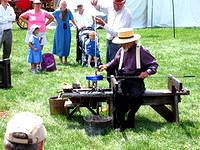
pixel 7 43
pixel 126 105
pixel 78 50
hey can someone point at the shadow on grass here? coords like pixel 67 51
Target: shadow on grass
pixel 68 64
pixel 148 124
pixel 188 125
pixel 75 122
pixel 17 72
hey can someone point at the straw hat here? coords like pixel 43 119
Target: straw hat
pixel 28 124
pixel 126 35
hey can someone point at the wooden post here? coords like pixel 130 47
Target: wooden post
pixel 175 108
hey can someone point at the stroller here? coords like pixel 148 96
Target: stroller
pixel 82 39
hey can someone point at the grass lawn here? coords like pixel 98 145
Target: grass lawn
pixel 179 56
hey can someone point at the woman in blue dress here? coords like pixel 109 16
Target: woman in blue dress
pixel 62 35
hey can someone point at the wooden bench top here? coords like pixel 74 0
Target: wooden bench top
pixel 164 92
pixel 107 94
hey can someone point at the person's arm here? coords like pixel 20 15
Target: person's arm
pixel 106 27
pixel 11 17
pixel 50 19
pixel 71 17
pixel 31 46
pixel 24 16
pixel 149 61
pixel 74 23
pixel 2 20
pixel 99 7
pixel 30 43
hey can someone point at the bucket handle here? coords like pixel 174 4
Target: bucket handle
pixel 60 94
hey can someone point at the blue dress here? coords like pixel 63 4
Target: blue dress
pixel 90 47
pixel 62 34
pixel 35 56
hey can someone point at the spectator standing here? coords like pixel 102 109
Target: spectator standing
pixel 83 20
pixel 7 16
pixel 39 17
pixel 62 35
pixel 34 51
pixel 119 16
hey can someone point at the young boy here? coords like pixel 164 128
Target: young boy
pixel 92 48
pixel 35 50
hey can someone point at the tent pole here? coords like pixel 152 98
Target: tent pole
pixel 152 13
pixel 173 19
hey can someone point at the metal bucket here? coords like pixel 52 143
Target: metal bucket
pixel 97 125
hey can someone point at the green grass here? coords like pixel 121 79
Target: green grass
pixel 179 56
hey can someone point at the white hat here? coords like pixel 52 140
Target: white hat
pixel 27 123
pixel 79 3
pixel 126 35
pixel 37 2
pixel 34 27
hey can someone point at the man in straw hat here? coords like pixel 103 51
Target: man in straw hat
pixel 119 16
pixel 25 131
pixel 134 61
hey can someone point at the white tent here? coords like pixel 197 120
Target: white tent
pixel 151 13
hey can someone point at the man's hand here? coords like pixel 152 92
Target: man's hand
pixel 143 75
pixel 100 21
pixel 102 68
pixel 94 2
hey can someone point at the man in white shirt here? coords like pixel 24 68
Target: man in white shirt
pixel 83 20
pixel 119 16
pixel 7 16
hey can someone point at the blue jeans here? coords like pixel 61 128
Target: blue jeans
pixel 111 50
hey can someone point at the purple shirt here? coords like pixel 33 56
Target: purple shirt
pixel 148 62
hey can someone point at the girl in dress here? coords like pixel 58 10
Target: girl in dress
pixel 35 50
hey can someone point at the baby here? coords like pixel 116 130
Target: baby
pixel 92 48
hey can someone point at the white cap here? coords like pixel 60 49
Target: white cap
pixel 79 3
pixel 26 123
pixel 33 27
pixel 37 2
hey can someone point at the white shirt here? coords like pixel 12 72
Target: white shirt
pixel 84 20
pixel 116 20
pixel 7 16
